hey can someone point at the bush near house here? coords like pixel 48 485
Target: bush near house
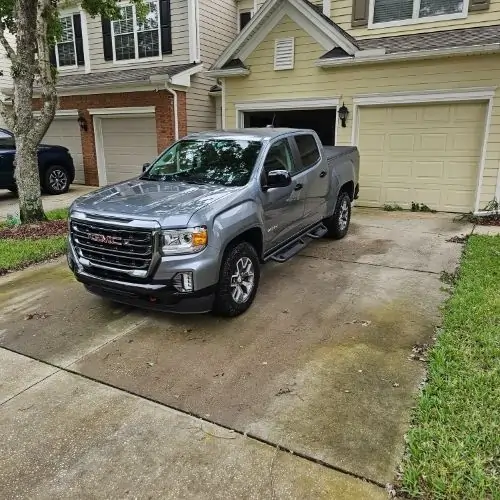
pixel 454 446
pixel 23 245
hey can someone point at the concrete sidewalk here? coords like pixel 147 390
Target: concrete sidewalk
pixel 65 436
pixel 9 204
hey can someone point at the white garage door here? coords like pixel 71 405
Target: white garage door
pixel 66 132
pixel 421 153
pixel 128 143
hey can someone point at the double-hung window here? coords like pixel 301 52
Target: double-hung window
pixel 134 38
pixel 399 12
pixel 66 47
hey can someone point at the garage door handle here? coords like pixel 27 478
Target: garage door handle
pixel 298 187
pixel 323 173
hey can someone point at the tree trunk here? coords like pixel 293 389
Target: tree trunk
pixel 24 68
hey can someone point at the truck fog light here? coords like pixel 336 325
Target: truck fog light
pixel 183 282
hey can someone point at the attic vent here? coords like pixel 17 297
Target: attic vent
pixel 284 52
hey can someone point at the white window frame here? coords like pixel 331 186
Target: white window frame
pixel 137 59
pixel 72 66
pixel 243 11
pixel 415 19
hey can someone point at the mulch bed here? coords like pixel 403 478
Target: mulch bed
pixel 489 220
pixel 41 230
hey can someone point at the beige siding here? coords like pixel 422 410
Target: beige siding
pixel 341 14
pixel 246 4
pixel 180 42
pixel 309 81
pixel 217 31
pixel 199 105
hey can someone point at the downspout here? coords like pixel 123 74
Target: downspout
pixel 176 109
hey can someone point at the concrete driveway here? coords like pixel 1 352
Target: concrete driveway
pixel 115 402
pixel 9 204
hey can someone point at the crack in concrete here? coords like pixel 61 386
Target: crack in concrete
pixel 369 264
pixel 305 456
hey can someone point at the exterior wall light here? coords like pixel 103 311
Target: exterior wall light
pixel 343 112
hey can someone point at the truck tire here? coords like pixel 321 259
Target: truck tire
pixel 338 223
pixel 239 280
pixel 55 180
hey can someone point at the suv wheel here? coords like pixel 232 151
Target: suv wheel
pixel 239 279
pixel 56 180
pixel 338 223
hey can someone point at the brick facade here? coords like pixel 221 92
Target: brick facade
pixel 164 115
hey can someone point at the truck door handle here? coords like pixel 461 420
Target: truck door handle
pixel 298 187
pixel 322 174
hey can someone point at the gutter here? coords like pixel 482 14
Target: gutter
pixel 360 58
pixel 176 108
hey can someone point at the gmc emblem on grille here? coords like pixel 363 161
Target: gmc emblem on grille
pixel 101 238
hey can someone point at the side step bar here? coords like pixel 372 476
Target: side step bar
pixel 295 246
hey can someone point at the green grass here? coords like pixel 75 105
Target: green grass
pixel 57 214
pixel 454 446
pixel 16 254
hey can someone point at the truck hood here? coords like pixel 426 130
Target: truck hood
pixel 171 204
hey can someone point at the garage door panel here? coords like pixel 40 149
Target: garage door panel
pixel 398 168
pixel 401 142
pixel 433 142
pixel 128 143
pixel 421 153
pixel 66 132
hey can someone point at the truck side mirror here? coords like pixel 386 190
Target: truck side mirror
pixel 277 179
pixel 145 166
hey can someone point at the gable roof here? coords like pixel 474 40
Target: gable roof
pixel 327 33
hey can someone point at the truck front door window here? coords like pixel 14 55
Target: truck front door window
pixel 279 157
pixel 229 162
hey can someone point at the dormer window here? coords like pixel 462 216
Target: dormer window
pixel 244 17
pixel 385 13
pixel 135 39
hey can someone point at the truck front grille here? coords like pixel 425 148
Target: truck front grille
pixel 127 251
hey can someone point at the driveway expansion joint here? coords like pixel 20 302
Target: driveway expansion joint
pixel 370 264
pixel 277 446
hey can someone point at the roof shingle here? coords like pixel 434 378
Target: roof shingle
pixel 122 76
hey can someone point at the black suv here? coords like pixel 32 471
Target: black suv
pixel 55 165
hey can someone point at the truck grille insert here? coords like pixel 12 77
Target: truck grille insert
pixel 124 250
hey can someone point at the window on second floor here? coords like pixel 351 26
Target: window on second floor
pixel 68 51
pixel 389 12
pixel 136 39
pixel 244 17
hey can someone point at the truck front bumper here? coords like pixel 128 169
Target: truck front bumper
pixel 158 294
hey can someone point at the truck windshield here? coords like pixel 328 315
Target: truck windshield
pixel 207 161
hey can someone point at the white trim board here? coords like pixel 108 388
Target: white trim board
pixel 61 113
pixel 123 111
pixel 99 151
pixel 434 96
pixel 283 105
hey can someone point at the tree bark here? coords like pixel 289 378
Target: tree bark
pixel 23 72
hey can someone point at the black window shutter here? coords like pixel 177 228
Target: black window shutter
pixel 77 25
pixel 475 5
pixel 166 27
pixel 107 43
pixel 360 9
pixel 52 56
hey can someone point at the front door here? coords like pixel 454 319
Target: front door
pixel 283 207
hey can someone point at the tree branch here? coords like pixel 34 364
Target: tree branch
pixel 47 77
pixel 11 53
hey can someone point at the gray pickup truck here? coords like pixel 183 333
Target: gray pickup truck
pixel 190 234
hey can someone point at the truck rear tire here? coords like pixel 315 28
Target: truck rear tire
pixel 55 180
pixel 338 223
pixel 239 280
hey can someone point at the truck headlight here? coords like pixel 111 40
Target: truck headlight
pixel 179 241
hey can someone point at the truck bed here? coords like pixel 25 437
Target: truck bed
pixel 336 151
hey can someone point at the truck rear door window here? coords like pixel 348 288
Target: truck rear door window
pixel 308 149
